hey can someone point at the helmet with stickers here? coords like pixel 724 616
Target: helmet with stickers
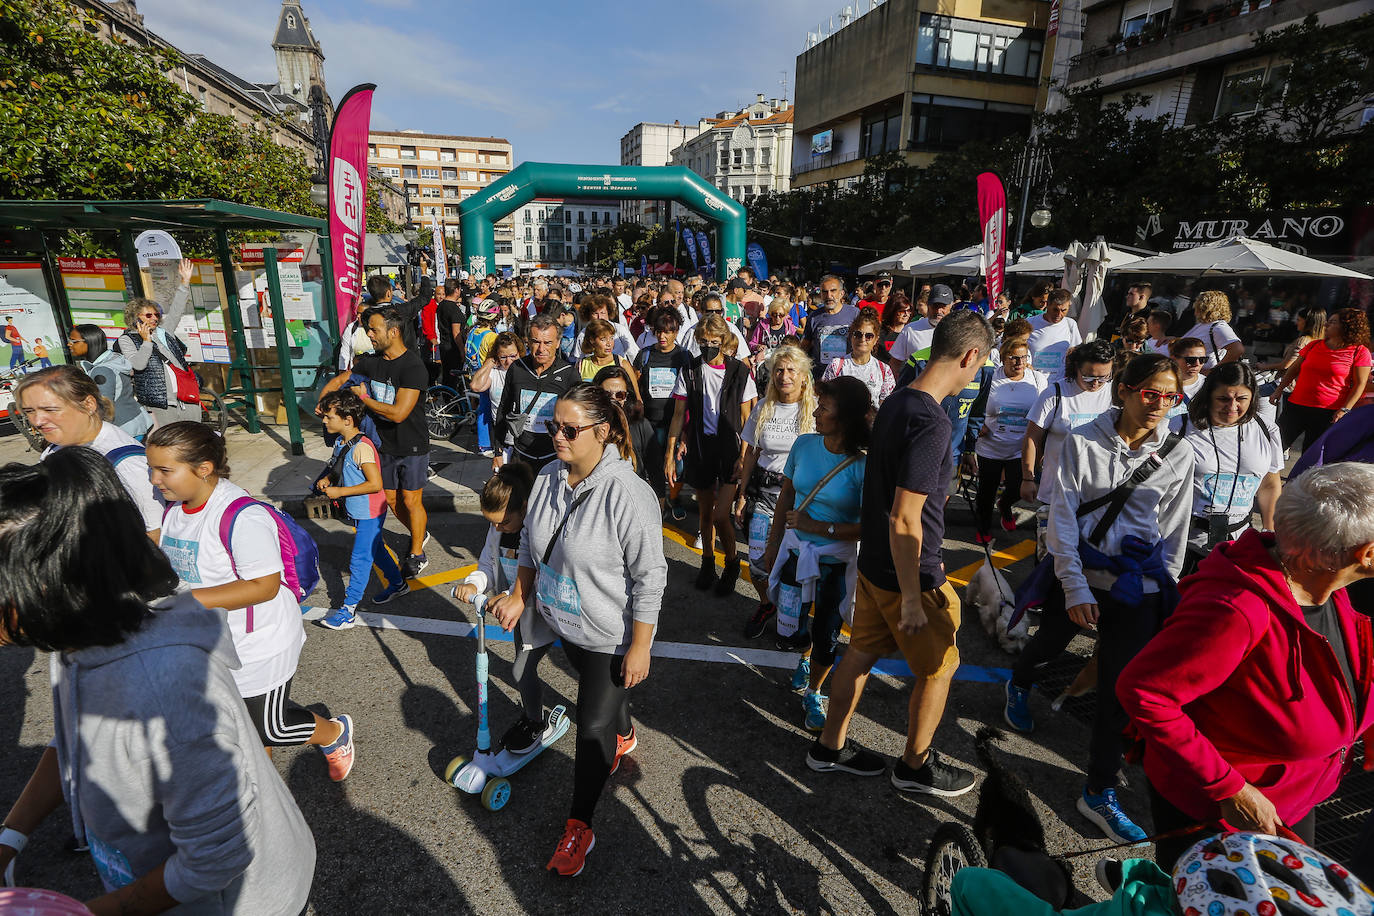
pixel 1253 874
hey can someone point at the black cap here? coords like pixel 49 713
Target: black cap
pixel 940 294
pixel 737 283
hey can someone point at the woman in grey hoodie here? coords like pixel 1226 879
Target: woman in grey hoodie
pixel 591 554
pixel 153 750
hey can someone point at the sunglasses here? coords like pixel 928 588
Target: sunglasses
pixel 569 432
pixel 1151 395
pixel 862 335
pixel 715 312
pixel 1017 359
pixel 1093 381
pixel 619 395
pixel 1194 360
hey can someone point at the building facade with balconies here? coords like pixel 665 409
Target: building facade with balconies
pixel 915 78
pixel 744 154
pixel 651 144
pixel 1195 59
pixel 554 232
pixel 437 172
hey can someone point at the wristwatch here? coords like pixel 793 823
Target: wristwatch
pixel 830 529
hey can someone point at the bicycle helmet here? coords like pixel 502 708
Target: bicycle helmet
pixel 1252 874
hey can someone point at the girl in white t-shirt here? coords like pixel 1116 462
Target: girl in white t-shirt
pixel 1083 394
pixel 1213 312
pixel 864 333
pixel 1015 389
pixel 244 577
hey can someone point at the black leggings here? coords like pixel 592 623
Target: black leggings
pixel 1167 819
pixel 1122 631
pixel 991 472
pixel 1308 422
pixel 279 721
pixel 827 608
pixel 603 712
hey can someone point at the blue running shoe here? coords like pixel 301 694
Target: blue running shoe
pixel 1105 811
pixel 801 678
pixel 399 587
pixel 1017 711
pixel 339 619
pixel 814 706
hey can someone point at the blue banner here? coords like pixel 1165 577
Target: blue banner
pixel 620 266
pixel 705 245
pixel 644 265
pixel 690 238
pixel 758 260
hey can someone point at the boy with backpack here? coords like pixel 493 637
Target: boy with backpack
pixel 354 475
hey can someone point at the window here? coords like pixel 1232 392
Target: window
pixel 943 122
pixel 529 234
pixel 1137 15
pixel 466 155
pixel 432 174
pixel 450 174
pixel 529 252
pixel 724 158
pixel 503 248
pixel 371 150
pixel 977 46
pixel 1240 92
pixel 541 233
pixel 451 193
pixel 391 170
pixel 407 152
pixel 766 157
pixel 543 253
pixel 738 157
pixel 447 155
pixel 466 175
pixel 450 211
pixel 595 219
pixel 409 171
pixel 429 155
pixel 581 234
pixel 568 235
pixel 567 216
pixel 388 152
pixel 429 192
pixel 541 214
pixel 881 130
pixel 581 217
pixel 526 217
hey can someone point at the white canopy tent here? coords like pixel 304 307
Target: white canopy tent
pixel 900 262
pixel 966 262
pixel 1052 263
pixel 1239 256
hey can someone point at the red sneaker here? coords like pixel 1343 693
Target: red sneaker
pixel 623 745
pixel 980 538
pixel 1008 524
pixel 340 755
pixel 571 855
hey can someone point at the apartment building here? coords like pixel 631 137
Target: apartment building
pixel 436 172
pixel 744 153
pixel 554 232
pixel 915 78
pixel 648 143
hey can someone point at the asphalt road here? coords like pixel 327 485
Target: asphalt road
pixel 716 812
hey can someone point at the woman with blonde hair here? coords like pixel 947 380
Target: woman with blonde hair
pixel 1213 313
pixel 785 413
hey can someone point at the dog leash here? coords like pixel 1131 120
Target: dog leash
pixel 1175 835
pixel 987 551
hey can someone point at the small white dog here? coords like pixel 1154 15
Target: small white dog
pixel 989 592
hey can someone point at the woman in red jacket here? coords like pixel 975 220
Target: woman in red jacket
pixel 1251 696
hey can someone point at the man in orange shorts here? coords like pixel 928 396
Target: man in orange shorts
pixel 903 603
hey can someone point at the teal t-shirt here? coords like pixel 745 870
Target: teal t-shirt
pixel 839 501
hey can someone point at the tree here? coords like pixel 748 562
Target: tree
pixel 81 117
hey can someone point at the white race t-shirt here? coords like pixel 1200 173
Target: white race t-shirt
pixel 774 442
pixel 687 338
pixel 1004 418
pixel 1215 335
pixel 1189 389
pixel 832 332
pixel 915 338
pixel 1076 408
pixel 192 543
pixel 876 374
pixel 712 378
pixel 1049 343
pixel 132 471
pixel 1230 464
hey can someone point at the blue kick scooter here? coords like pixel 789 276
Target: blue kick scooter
pixel 485 773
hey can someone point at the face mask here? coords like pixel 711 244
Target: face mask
pixel 709 354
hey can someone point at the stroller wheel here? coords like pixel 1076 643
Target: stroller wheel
pixel 951 848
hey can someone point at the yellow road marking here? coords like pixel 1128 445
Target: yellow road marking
pixel 1000 559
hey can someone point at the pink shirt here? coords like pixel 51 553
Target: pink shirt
pixel 1325 374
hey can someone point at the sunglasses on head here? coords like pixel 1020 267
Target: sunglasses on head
pixel 1150 395
pixel 1194 360
pixel 569 432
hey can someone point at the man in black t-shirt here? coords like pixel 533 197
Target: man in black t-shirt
pixel 533 384
pixel 394 394
pixel 903 602
pixel 450 321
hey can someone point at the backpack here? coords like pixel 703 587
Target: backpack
pixel 472 352
pixel 299 554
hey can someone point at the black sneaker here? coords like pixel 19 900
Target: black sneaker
pixel 799 641
pixel 849 759
pixel 414 564
pixel 523 736
pixel 758 621
pixel 935 777
pixel 707 576
pixel 728 577
pixel 1108 872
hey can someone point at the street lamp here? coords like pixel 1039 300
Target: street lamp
pixel 319 191
pixel 1032 167
pixel 1040 218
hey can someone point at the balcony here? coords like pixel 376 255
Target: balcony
pixel 823 162
pixel 1191 37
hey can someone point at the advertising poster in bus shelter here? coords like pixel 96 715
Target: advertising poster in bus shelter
pixel 298 305
pixel 29 334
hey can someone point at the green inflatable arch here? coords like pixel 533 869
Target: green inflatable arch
pixel 479 213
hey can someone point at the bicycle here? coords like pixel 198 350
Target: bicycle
pixel 448 408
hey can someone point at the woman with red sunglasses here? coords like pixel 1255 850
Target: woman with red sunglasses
pixel 1118 533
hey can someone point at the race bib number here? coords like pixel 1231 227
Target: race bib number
pixel 1076 420
pixel 183 556
pixel 538 406
pixel 759 523
pixel 1216 489
pixel 1048 360
pixel 789 609
pixel 661 381
pixel 1011 419
pixel 112 864
pixel 510 567
pixel 834 342
pixel 558 599
pixel 382 392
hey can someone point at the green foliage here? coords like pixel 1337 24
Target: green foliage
pixel 627 241
pixel 81 117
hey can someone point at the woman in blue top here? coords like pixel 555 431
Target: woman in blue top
pixel 819 535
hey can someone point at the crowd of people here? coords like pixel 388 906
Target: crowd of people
pixel 827 428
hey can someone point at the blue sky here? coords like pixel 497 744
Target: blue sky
pixel 563 81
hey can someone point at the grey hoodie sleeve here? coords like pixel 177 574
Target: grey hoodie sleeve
pixel 485 573
pixel 1176 511
pixel 642 540
pixel 211 813
pixel 1062 535
pixel 136 355
pixel 176 309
